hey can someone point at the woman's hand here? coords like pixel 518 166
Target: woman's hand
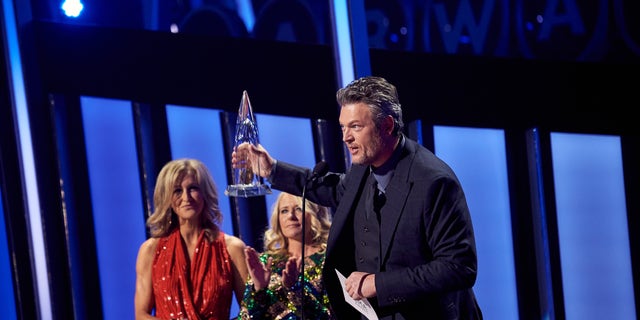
pixel 259 272
pixel 291 272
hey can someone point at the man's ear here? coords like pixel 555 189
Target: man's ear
pixel 387 125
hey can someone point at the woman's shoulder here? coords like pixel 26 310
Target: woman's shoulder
pixel 233 243
pixel 149 244
pixel 148 247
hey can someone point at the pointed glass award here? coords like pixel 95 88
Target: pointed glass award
pixel 246 183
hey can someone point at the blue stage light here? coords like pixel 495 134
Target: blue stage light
pixel 72 8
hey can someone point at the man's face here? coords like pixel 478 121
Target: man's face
pixel 360 134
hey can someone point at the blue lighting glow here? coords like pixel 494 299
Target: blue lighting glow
pixel 116 198
pixel 14 66
pixel 592 224
pixel 529 26
pixel 245 10
pixel 479 158
pixel 7 303
pixel 342 39
pixel 72 8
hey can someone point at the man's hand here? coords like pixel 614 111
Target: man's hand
pixel 361 285
pixel 256 158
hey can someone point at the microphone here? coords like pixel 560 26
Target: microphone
pixel 320 169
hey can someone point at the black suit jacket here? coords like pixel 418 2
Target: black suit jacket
pixel 429 262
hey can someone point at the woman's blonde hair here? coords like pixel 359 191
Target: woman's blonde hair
pixel 319 219
pixel 163 220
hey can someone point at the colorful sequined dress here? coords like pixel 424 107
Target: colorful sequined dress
pixel 279 302
pixel 202 290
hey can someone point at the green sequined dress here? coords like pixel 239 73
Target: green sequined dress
pixel 278 302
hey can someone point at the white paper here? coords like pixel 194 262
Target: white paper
pixel 362 305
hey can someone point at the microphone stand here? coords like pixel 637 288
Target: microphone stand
pixel 320 169
pixel 304 233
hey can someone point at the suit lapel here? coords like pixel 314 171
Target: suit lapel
pixel 396 192
pixel 348 201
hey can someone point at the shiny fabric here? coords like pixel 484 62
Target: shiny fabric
pixel 279 302
pixel 201 289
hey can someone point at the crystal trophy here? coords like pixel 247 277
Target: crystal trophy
pixel 246 183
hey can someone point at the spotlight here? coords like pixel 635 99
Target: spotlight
pixel 72 8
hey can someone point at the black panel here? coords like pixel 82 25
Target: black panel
pixel 327 138
pixel 528 243
pixel 78 209
pixel 512 93
pixel 551 215
pixel 155 67
pixel 153 149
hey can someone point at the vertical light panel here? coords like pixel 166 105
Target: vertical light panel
pixel 116 196
pixel 478 158
pixel 19 100
pixel 7 298
pixel 197 133
pixel 342 41
pixel 289 139
pixel 592 226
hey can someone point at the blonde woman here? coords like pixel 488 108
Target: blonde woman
pixel 275 289
pixel 189 268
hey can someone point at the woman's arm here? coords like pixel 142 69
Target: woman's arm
pixel 236 246
pixel 144 299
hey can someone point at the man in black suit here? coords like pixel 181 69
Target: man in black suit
pixel 401 230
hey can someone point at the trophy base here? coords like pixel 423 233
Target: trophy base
pixel 247 190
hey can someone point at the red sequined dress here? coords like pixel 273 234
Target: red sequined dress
pixel 200 290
